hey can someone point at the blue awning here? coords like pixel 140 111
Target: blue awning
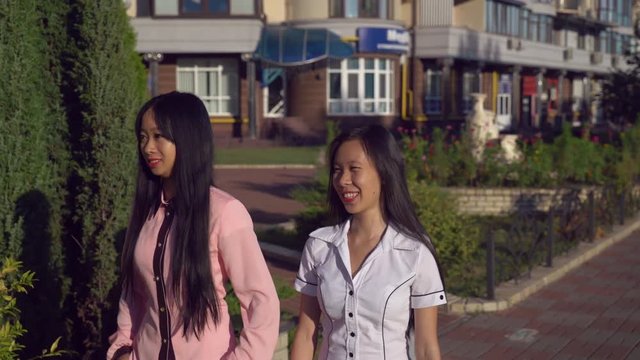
pixel 287 46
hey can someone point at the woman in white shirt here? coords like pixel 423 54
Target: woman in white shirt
pixel 368 280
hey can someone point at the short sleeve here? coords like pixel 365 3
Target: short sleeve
pixel 307 279
pixel 427 289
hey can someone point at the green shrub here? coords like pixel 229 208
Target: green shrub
pixel 455 237
pixel 105 85
pixel 13 282
pixel 577 160
pixel 33 162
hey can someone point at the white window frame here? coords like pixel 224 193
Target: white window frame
pixel 381 106
pixel 219 69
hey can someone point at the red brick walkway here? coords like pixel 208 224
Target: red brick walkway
pixel 593 312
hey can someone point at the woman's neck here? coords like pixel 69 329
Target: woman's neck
pixel 168 189
pixel 370 225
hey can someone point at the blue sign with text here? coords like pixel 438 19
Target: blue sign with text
pixel 383 40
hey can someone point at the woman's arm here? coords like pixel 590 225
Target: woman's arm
pixel 252 283
pixel 122 340
pixel 426 323
pixel 304 342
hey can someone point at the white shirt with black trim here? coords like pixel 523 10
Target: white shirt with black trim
pixel 367 317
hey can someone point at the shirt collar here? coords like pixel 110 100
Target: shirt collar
pixel 392 238
pixel 164 201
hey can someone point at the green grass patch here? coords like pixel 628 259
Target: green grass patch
pixel 282 237
pixel 268 155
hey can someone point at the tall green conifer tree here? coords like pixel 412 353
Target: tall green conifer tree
pixel 33 164
pixel 104 87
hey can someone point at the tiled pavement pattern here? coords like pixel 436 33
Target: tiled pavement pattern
pixel 591 313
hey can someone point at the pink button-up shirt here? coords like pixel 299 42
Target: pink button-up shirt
pixel 235 256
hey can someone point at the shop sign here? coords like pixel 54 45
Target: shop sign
pixel 383 40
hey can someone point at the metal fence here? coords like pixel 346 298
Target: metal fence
pixel 530 237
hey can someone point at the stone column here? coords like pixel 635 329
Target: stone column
pixel 516 97
pixel 537 120
pixel 447 96
pixel 561 101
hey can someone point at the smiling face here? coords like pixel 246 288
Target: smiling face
pixel 356 180
pixel 158 152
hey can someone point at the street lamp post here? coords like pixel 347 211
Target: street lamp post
pixel 153 58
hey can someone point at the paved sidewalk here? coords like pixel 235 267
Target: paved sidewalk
pixel 265 191
pixel 592 312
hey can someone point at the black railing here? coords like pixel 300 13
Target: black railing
pixel 529 237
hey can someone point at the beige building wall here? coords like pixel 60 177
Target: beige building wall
pixel 276 10
pixel 469 14
pixel 403 11
pixel 308 9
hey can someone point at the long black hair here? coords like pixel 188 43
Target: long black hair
pixel 183 119
pixel 383 151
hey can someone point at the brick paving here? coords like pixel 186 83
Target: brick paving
pixel 592 312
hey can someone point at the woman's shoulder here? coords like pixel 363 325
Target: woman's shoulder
pixel 221 201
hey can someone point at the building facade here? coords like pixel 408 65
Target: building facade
pixel 540 62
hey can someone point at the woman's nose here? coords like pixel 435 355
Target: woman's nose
pixel 148 147
pixel 344 178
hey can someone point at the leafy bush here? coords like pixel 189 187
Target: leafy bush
pixel 455 237
pixel 15 281
pixel 448 161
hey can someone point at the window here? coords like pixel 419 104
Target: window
pixel 215 81
pixel 361 86
pixel 359 9
pixel 200 8
pixel 503 18
pixel 470 85
pixel 433 91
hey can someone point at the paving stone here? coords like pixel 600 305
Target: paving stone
pixel 579 348
pixel 610 352
pixel 466 349
pixel 548 343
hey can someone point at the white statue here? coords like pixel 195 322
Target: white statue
pixel 482 125
pixel 510 151
pixel 479 123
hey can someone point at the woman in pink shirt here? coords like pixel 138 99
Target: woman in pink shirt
pixel 186 239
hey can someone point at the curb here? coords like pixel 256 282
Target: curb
pixel 510 293
pixel 264 166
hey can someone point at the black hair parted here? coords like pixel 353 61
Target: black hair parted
pixel 183 119
pixel 395 201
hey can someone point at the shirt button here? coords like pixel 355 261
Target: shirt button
pixel 352 334
pixel 350 314
pixel 350 292
pixel 164 341
pixel 157 278
pixel 350 354
pixel 159 244
pixel 162 309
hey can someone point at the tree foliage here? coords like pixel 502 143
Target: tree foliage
pixel 105 86
pixel 71 83
pixel 620 92
pixel 32 162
